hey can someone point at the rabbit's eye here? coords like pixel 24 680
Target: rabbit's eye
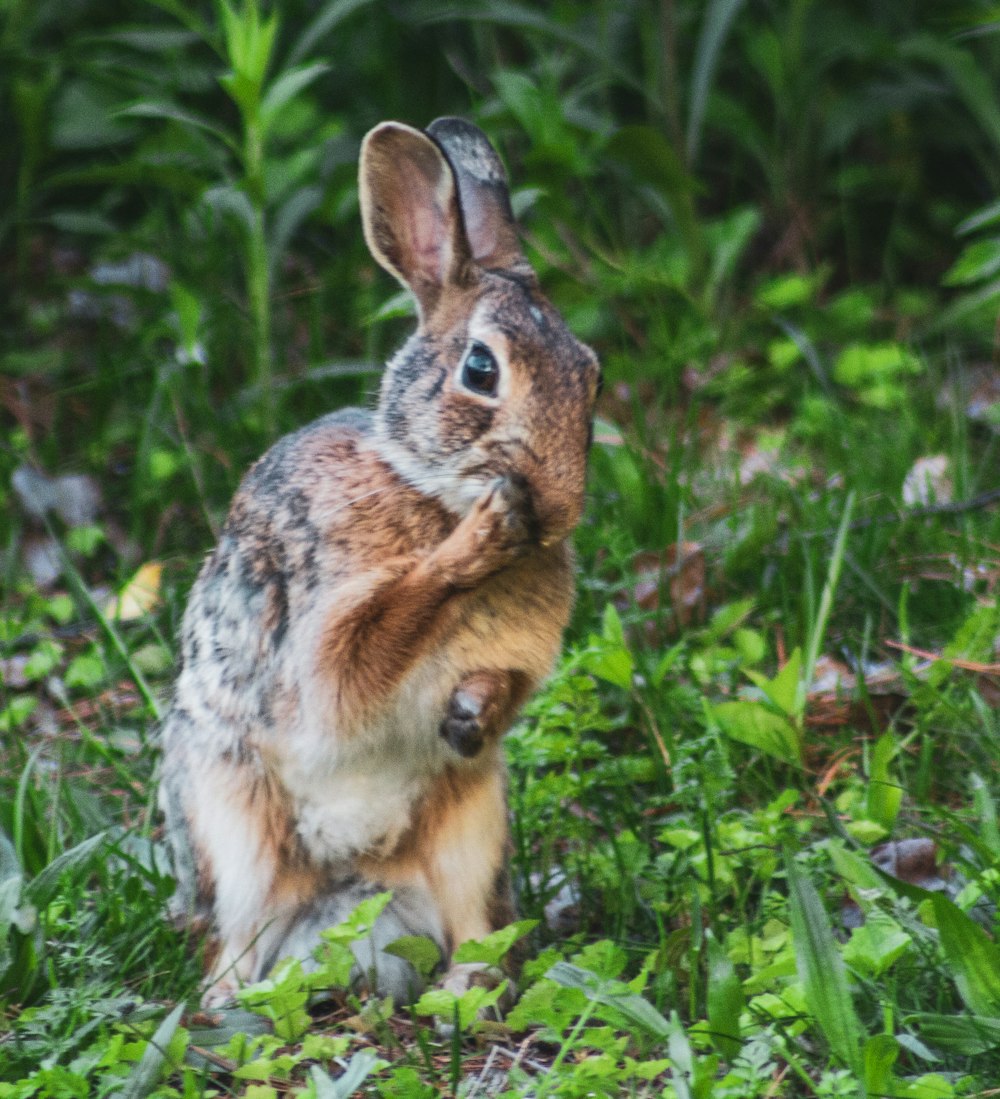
pixel 480 372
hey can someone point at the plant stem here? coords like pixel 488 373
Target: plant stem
pixel 258 268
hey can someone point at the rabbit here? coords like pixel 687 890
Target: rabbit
pixel 388 589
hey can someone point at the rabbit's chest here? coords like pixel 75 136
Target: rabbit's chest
pixel 358 796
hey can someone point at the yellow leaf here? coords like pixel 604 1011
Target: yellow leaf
pixel 139 597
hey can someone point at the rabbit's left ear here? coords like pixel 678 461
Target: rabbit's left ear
pixel 490 229
pixel 410 211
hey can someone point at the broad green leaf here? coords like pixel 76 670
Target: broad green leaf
pixel 727 618
pixel 17 712
pixel 288 217
pixel 973 956
pixel 652 158
pixel 988 215
pixel 725 1002
pixel 149 1071
pixel 788 290
pixel 608 656
pixel 86 670
pixel 821 969
pixel 418 950
pixel 754 724
pixel 494 948
pixel 442 1003
pixel 880 1055
pixel 885 795
pixel 783 689
pixel 986 812
pixel 611 626
pixel 979 260
pixel 876 945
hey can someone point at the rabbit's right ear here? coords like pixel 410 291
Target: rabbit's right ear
pixel 410 210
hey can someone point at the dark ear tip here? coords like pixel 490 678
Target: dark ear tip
pixel 468 149
pixel 453 126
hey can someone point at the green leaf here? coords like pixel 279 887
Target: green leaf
pixel 20 708
pixel 876 945
pixel 493 949
pixel 719 15
pixel 884 795
pixel 230 200
pixel 86 670
pixel 783 689
pixel 286 87
pixel 282 998
pixel 972 955
pixel 986 812
pixel 988 215
pixel 725 1001
pixel 636 1010
pixel 880 1055
pixel 422 953
pixel 149 1072
pixel 754 724
pixel 170 112
pixel 652 158
pixel 442 1003
pixel 328 16
pixel 43 659
pixel 979 260
pixel 361 1065
pixel 42 888
pixel 821 969
pixel 965 1034
pixel 287 218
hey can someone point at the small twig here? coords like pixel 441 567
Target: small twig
pixel 483 1071
pixel 227 1064
pixel 957 507
pixel 965 665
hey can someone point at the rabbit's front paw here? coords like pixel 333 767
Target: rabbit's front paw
pixel 500 527
pixel 475 709
pixel 461 726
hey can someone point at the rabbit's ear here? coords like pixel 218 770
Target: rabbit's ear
pixel 490 228
pixel 410 210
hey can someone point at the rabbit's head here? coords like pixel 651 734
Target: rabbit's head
pixel 492 383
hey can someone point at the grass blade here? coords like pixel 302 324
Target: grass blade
pixel 973 956
pixel 826 600
pixel 822 970
pixel 148 1073
pixel 718 19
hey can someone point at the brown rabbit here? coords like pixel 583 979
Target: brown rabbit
pixel 387 591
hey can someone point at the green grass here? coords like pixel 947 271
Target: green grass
pixel 693 816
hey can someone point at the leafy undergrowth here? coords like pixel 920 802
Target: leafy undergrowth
pixel 754 811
